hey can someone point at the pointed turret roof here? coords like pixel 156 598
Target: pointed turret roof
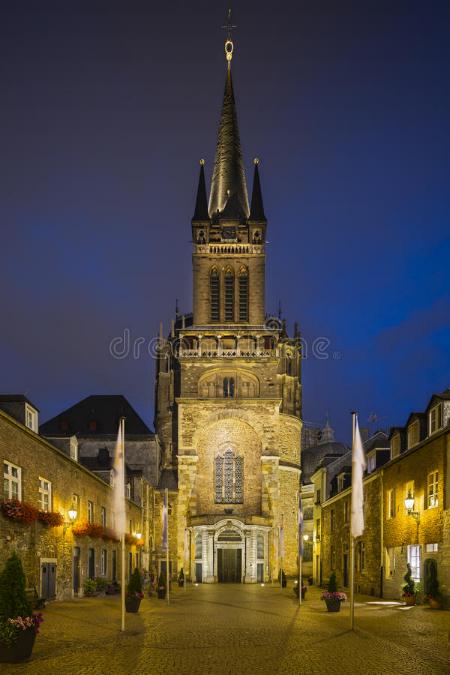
pixel 257 206
pixel 228 180
pixel 201 203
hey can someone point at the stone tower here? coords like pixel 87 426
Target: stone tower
pixel 228 389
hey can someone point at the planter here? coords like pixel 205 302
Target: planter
pixel 161 593
pixel 333 605
pixel 410 600
pixel 21 649
pixel 304 589
pixel 434 603
pixel 132 604
pixel 181 583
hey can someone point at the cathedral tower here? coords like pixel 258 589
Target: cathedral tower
pixel 228 389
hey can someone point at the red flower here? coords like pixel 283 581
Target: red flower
pixel 51 518
pixel 19 511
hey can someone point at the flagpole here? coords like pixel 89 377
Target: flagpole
pixel 282 550
pixel 167 546
pixel 122 441
pixel 300 547
pixel 352 541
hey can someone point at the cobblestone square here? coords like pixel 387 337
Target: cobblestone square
pixel 237 629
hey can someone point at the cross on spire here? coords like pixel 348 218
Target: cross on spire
pixel 229 27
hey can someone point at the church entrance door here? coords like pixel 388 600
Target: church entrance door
pixel 229 563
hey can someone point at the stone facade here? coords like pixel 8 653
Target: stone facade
pixel 56 549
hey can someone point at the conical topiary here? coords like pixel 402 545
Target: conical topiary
pixel 135 583
pixel 332 583
pixel 409 587
pixel 13 599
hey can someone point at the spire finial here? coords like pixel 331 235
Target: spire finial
pixel 229 46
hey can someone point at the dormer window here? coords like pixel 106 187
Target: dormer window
pixel 435 420
pixel 340 482
pixel 413 434
pixel 371 462
pixel 31 418
pixel 395 446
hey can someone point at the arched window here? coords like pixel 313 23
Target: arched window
pixel 228 387
pixel 243 295
pixel 229 295
pixel 214 285
pixel 229 478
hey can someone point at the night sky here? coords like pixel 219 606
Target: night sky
pixel 106 109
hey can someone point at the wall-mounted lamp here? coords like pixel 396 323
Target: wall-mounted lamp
pixel 409 505
pixel 138 535
pixel 305 537
pixel 72 513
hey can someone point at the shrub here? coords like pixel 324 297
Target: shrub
pixel 162 581
pixel 90 587
pixel 13 598
pixel 101 584
pixel 135 585
pixel 332 583
pixel 409 586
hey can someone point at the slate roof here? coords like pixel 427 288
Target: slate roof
pixel 16 398
pixel 257 206
pixel 103 409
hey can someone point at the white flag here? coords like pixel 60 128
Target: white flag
pixel 119 482
pixel 358 466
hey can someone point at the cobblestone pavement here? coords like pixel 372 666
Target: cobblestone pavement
pixel 236 629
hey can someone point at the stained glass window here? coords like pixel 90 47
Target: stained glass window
pixel 229 478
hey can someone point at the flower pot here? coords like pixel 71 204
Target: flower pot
pixel 434 603
pixel 161 593
pixel 333 605
pixel 132 604
pixel 410 600
pixel 21 649
pixel 181 583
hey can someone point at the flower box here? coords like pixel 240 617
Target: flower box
pixel 21 512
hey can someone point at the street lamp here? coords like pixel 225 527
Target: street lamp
pixel 72 513
pixel 409 505
pixel 305 537
pixel 138 535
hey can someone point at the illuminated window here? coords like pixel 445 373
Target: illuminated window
pixel 30 418
pixel 198 547
pixel 104 562
pixel 432 548
pixel 12 481
pixel 260 546
pixel 436 418
pixel 229 478
pixel 229 295
pixel 395 446
pixel 433 483
pixel 413 434
pixel 243 295
pixel 45 495
pixel 391 503
pixel 214 283
pixel 414 561
pixel 90 506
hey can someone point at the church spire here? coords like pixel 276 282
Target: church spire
pixel 201 204
pixel 257 206
pixel 228 185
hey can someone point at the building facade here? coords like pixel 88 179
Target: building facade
pixel 406 508
pixel 58 515
pixel 228 390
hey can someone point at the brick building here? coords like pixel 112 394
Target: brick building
pixel 413 464
pixel 46 479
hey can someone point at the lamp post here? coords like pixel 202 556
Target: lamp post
pixel 409 505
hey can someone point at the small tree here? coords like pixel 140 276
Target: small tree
pixel 135 583
pixel 410 585
pixel 13 599
pixel 431 583
pixel 332 583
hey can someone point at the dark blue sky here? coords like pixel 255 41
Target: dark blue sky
pixel 106 109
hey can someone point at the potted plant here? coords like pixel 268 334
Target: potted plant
pixel 282 578
pixel 332 596
pixel 18 625
pixel 162 586
pixel 409 588
pixel 181 578
pixel 134 592
pixel 431 584
pixel 101 585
